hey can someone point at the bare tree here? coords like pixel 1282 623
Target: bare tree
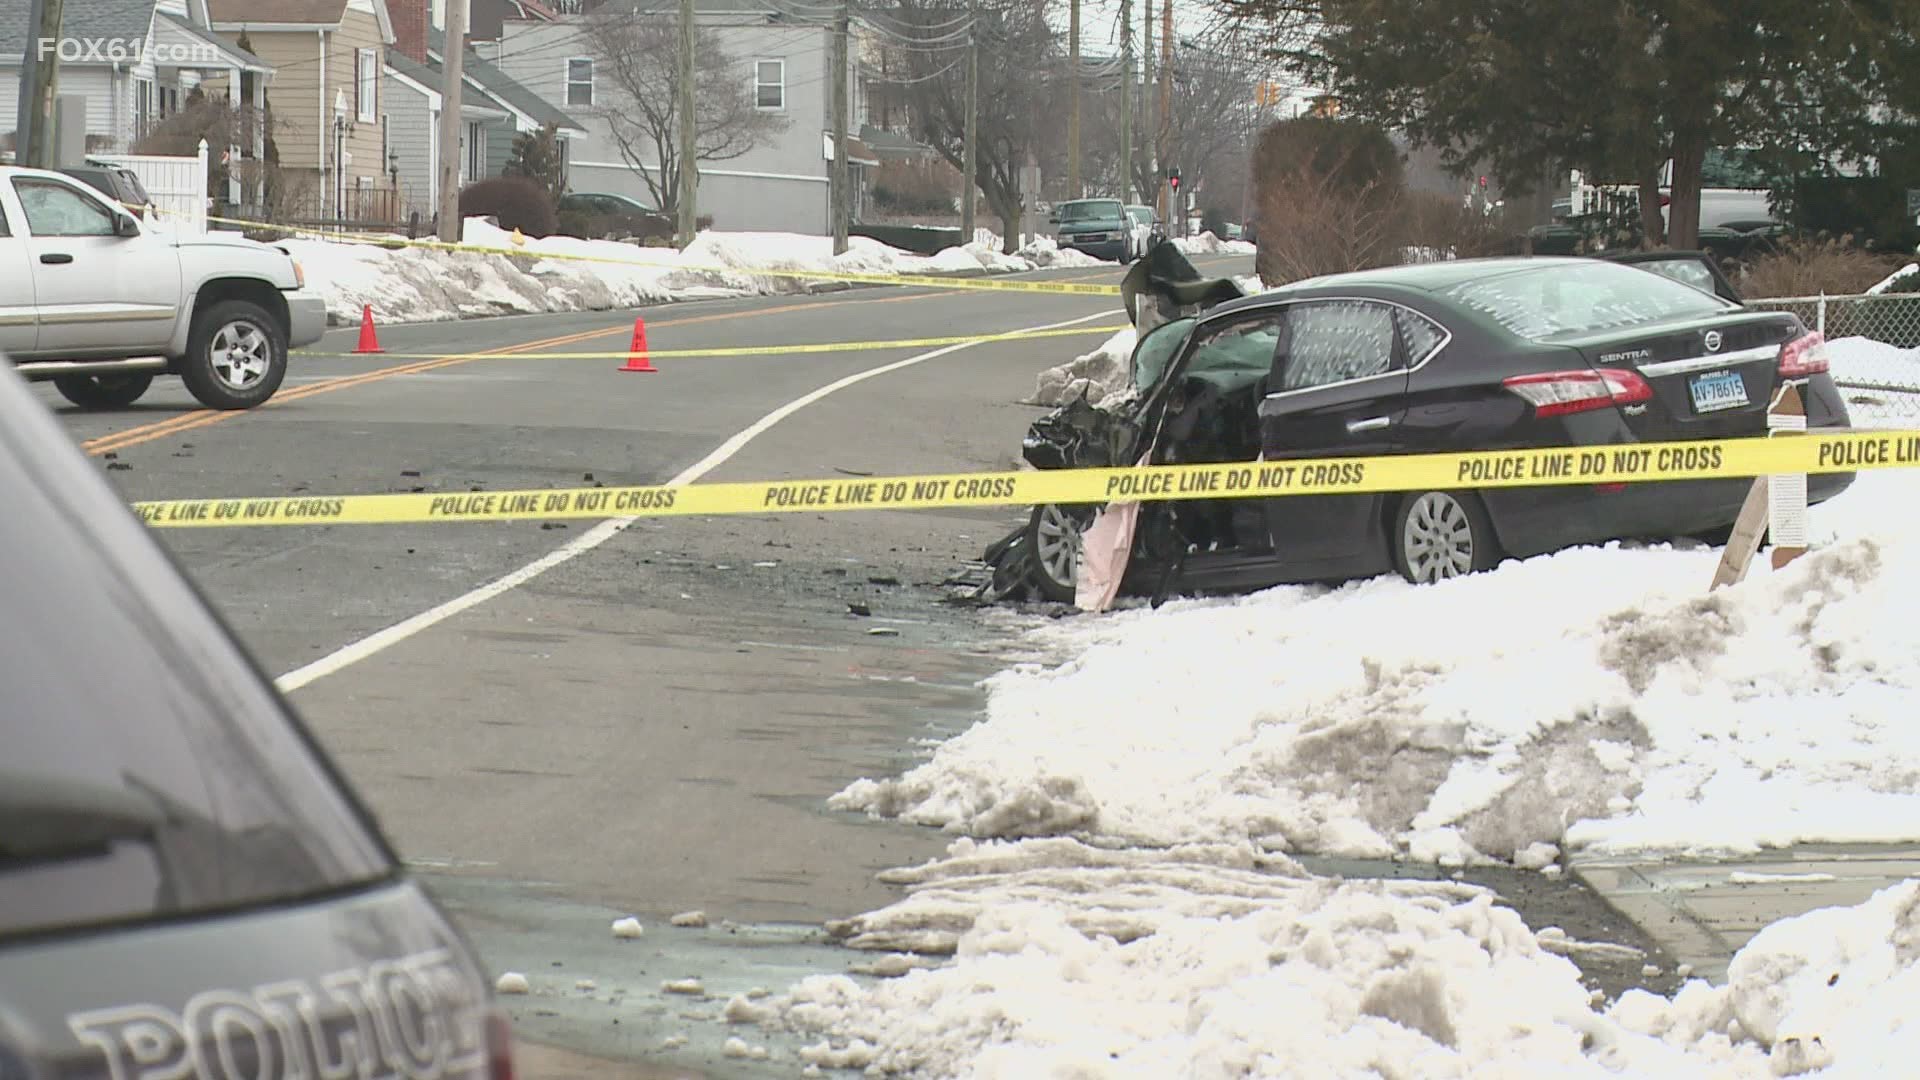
pixel 636 52
pixel 1208 128
pixel 1017 50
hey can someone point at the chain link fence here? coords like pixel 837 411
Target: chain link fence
pixel 1873 343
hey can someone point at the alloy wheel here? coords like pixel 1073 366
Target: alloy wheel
pixel 241 354
pixel 1057 545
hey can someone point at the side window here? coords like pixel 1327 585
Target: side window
pixel 4 229
pixel 1336 341
pixel 58 210
pixel 1419 334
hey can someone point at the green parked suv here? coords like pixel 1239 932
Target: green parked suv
pixel 1099 227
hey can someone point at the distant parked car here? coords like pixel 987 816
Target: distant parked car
pixel 1099 227
pixel 117 182
pixel 603 215
pixel 1148 230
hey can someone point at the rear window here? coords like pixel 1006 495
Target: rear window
pixel 1564 299
pixel 148 771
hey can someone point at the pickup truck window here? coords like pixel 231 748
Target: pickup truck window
pixel 58 210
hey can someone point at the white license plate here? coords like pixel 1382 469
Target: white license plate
pixel 1718 390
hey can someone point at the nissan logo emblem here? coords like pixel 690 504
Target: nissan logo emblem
pixel 1713 341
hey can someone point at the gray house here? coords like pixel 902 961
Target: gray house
pixel 782 184
pixel 413 103
pixel 527 110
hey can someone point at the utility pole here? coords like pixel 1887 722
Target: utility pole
pixel 1146 81
pixel 1176 216
pixel 969 192
pixel 842 167
pixel 39 84
pixel 689 153
pixel 1126 100
pixel 1073 119
pixel 453 54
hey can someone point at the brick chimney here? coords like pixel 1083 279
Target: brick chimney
pixel 409 18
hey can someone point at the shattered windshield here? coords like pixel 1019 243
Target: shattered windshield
pixel 1156 351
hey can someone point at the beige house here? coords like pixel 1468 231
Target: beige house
pixel 326 103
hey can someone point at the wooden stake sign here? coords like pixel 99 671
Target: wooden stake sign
pixel 1780 504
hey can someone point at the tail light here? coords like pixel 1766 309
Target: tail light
pixel 1803 356
pixel 1557 393
pixel 499 1046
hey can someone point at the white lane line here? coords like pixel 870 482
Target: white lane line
pixel 357 651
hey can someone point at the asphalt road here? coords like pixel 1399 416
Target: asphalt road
pixel 651 725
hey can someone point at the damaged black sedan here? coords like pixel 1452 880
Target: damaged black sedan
pixel 1485 354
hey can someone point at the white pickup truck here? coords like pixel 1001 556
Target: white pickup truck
pixel 100 303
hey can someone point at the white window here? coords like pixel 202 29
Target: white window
pixel 142 106
pixel 770 84
pixel 366 85
pixel 580 81
pixel 476 151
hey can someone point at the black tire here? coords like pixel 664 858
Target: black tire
pixel 1045 533
pixel 1441 534
pixel 103 391
pixel 236 355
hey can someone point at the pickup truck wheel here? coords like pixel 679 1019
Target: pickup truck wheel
pixel 103 391
pixel 236 355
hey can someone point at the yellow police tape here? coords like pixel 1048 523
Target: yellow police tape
pixel 934 281
pixel 1727 459
pixel 753 350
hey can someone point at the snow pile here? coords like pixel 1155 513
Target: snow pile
pixel 1208 244
pixel 403 283
pixel 1596 697
pixel 1874 364
pixel 1044 252
pixel 1203 962
pixel 1886 283
pixel 1102 375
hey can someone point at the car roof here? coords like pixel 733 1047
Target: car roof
pixel 1070 202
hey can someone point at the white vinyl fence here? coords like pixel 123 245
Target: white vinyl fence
pixel 178 186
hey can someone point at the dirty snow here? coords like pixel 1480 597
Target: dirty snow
pixel 559 273
pixel 1214 961
pixel 1208 244
pixel 1596 699
pixel 628 927
pixel 1102 375
pixel 512 982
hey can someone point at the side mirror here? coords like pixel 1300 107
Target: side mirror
pixel 125 225
pixel 1053 219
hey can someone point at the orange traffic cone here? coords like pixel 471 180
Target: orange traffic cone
pixel 637 352
pixel 368 342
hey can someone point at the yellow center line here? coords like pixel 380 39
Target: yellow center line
pixel 199 418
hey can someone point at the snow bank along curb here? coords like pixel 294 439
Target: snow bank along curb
pixel 1068 960
pixel 419 283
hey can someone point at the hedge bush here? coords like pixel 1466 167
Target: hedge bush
pixel 516 202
